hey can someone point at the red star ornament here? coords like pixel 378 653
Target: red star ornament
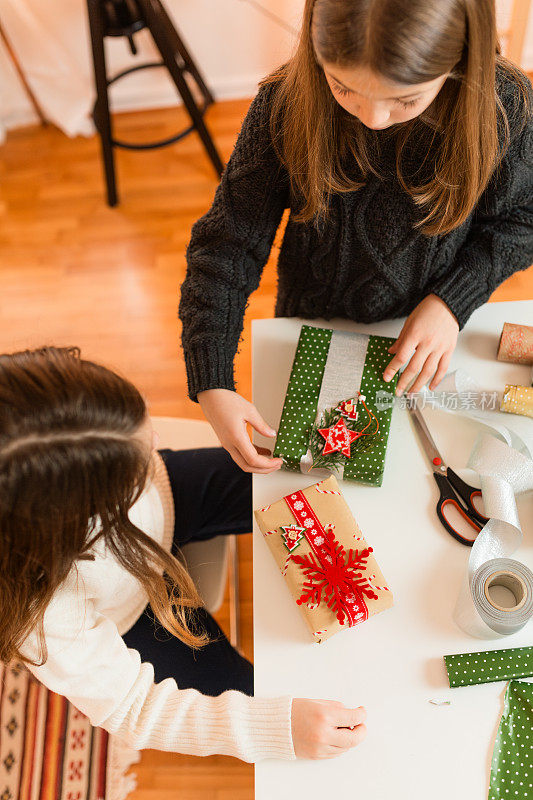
pixel 339 437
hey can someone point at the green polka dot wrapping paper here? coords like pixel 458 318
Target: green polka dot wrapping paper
pixel 468 669
pixel 511 776
pixel 338 409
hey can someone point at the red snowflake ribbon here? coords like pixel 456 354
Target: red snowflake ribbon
pixel 333 575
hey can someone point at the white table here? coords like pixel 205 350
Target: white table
pixel 391 664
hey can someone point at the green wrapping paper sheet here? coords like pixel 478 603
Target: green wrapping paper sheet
pixel 467 669
pixel 302 398
pixel 511 775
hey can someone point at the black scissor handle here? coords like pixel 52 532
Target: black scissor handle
pixel 466 493
pixel 448 497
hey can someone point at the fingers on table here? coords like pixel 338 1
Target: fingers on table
pixel 441 370
pixel 426 372
pixel 346 738
pixel 349 717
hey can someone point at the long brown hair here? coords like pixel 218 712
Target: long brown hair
pixel 71 467
pixel 406 42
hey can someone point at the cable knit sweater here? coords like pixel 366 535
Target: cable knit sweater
pixel 89 663
pixel 366 263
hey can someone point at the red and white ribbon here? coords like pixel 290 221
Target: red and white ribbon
pixel 325 491
pixel 353 604
pixel 286 565
pixel 371 578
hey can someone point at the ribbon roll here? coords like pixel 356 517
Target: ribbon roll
pixel 504 473
pixel 511 575
pixel 505 469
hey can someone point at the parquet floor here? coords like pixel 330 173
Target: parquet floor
pixel 75 272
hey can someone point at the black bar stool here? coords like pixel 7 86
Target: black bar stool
pixel 125 18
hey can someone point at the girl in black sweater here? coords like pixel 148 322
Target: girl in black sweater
pixel 401 141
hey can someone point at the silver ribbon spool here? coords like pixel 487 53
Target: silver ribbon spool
pixel 511 575
pixel 505 469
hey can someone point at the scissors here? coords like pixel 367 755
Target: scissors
pixel 453 491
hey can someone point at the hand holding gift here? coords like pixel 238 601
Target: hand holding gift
pixel 229 414
pixel 338 408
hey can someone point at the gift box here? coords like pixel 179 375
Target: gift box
pixel 326 562
pixel 338 409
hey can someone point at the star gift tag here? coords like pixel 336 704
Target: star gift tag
pixel 338 437
pixel 292 536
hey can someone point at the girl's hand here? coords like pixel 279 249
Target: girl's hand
pixel 325 728
pixel 431 331
pixel 229 413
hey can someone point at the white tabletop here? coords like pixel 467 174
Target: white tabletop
pixel 392 664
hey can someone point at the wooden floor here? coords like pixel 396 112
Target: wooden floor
pixel 75 272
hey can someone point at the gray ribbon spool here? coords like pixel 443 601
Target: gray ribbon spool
pixel 511 575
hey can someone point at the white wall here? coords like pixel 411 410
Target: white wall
pixel 234 43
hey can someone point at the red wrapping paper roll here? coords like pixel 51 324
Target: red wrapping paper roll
pixel 516 344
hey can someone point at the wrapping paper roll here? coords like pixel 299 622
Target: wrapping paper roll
pixel 470 669
pixel 512 760
pixel 518 400
pixel 516 344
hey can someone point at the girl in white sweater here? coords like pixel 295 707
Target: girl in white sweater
pixel 92 594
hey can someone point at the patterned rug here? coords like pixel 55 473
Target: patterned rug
pixel 49 750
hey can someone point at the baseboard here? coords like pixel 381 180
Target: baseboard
pixel 160 93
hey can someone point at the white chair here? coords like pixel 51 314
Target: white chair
pixel 210 563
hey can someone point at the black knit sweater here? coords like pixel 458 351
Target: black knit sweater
pixel 366 263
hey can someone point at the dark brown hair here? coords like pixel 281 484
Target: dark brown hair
pixel 406 42
pixel 71 467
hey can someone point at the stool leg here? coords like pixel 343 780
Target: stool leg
pixel 102 116
pixel 159 28
pixel 234 609
pixel 188 60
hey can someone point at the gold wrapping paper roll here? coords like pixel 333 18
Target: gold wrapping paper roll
pixel 518 400
pixel 516 344
pixel 333 512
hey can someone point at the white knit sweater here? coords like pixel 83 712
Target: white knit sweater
pixel 89 663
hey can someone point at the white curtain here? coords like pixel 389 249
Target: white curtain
pixel 52 45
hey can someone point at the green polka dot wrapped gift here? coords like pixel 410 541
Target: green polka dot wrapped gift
pixel 338 409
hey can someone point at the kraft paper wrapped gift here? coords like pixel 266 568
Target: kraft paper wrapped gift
pixel 328 566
